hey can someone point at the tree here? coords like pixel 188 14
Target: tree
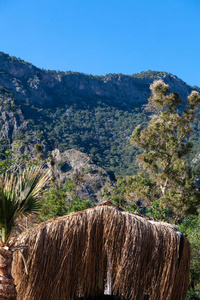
pixel 19 195
pixel 165 147
pixel 167 184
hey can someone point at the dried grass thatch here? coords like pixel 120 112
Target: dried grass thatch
pixel 67 258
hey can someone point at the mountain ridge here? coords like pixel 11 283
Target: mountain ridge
pixel 25 80
pixel 65 110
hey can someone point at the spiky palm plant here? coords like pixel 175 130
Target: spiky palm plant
pixel 18 196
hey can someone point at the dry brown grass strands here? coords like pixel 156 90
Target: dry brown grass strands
pixel 67 258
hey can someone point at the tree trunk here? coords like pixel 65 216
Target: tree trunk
pixel 7 286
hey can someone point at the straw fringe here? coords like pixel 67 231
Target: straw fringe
pixel 66 258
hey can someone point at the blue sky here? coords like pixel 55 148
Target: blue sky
pixel 105 36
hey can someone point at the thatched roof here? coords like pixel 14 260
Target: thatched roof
pixel 67 257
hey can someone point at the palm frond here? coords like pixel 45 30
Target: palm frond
pixel 8 205
pixel 31 184
pixel 18 195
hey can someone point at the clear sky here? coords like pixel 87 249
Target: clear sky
pixel 105 36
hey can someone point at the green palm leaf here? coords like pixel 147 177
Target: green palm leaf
pixel 19 195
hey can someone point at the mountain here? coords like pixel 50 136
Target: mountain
pixel 66 110
pixel 49 87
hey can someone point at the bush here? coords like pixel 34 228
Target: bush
pixel 193 295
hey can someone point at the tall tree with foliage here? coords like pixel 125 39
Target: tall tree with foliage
pixel 165 147
pixel 19 195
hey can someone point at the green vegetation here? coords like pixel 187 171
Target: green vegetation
pixel 167 188
pixel 100 130
pixel 61 200
pixel 103 132
pixel 150 74
pixel 55 200
pixel 65 118
pixel 191 228
pixel 166 182
pixel 19 195
pixel 164 150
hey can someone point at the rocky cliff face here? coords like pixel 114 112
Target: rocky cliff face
pixel 26 81
pixel 12 121
pixel 88 178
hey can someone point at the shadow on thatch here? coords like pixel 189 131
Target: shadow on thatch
pixel 68 258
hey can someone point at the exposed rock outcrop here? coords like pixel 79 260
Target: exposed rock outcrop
pixel 12 120
pixel 88 178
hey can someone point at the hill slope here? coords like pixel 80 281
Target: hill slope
pixel 93 114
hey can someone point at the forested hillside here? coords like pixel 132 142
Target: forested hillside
pixel 65 110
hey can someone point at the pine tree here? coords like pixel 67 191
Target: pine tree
pixel 165 147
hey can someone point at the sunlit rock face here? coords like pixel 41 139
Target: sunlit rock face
pixel 27 81
pixel 89 178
